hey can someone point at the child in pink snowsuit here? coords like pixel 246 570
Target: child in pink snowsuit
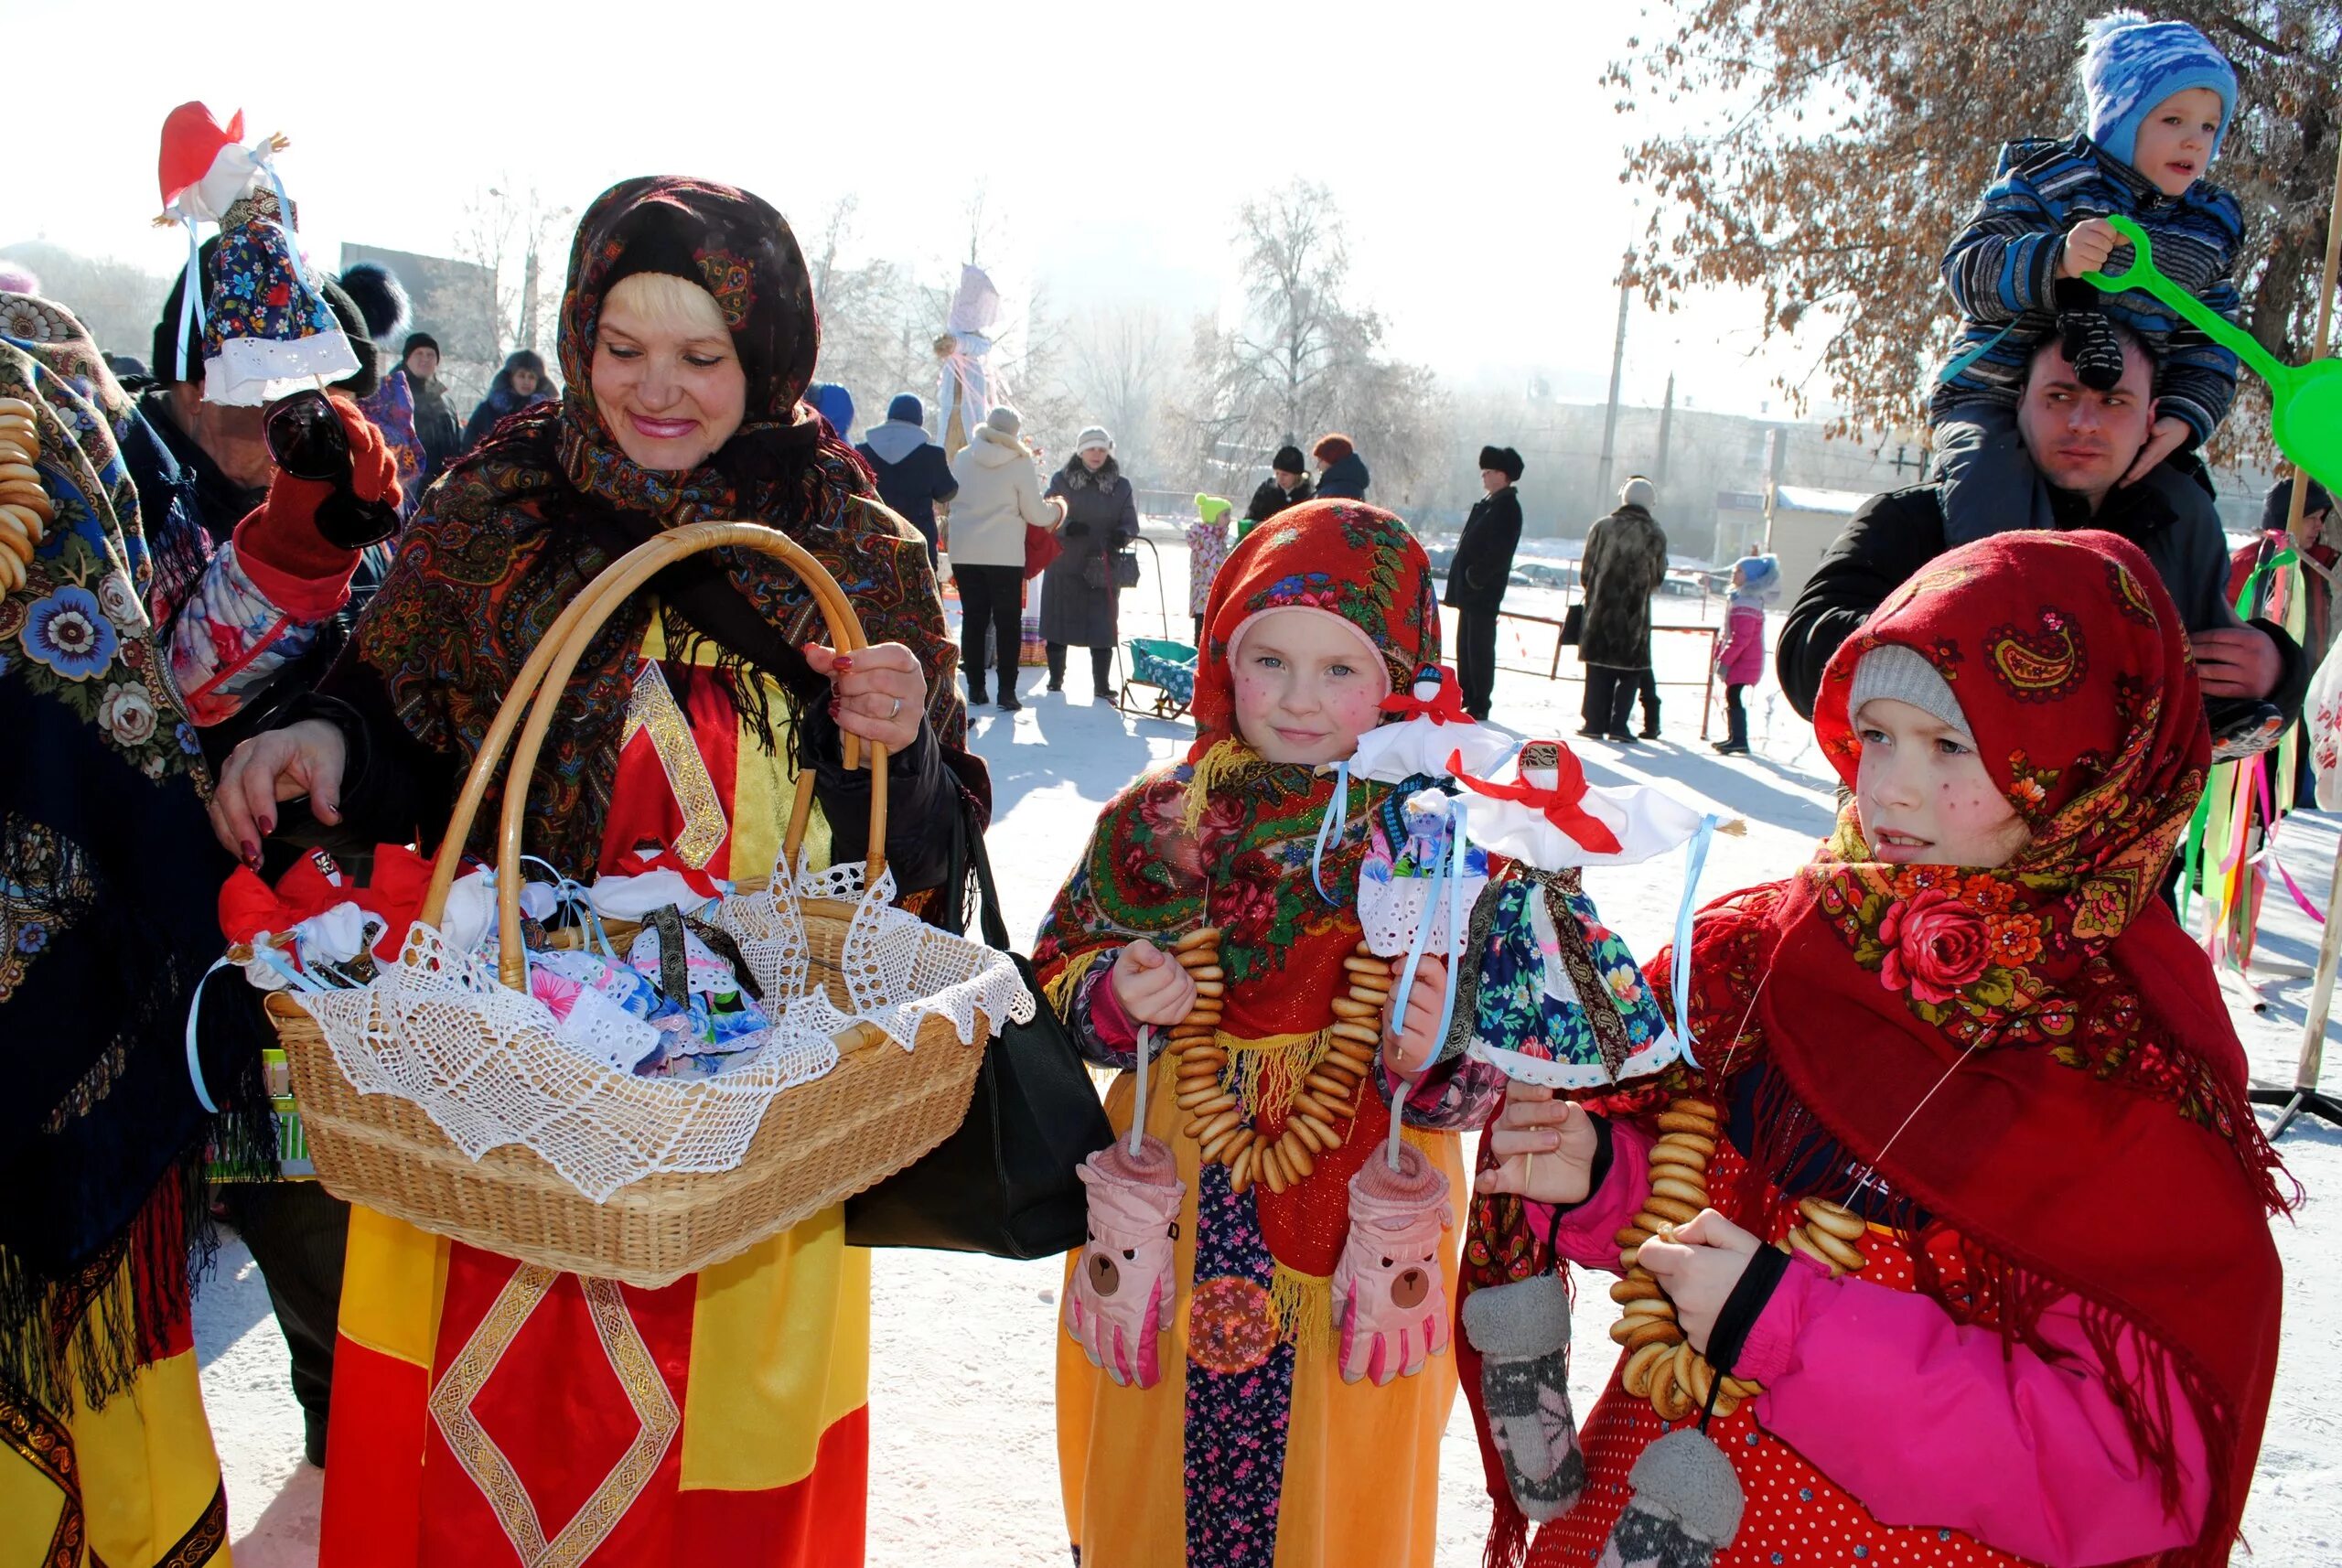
pixel 1740 657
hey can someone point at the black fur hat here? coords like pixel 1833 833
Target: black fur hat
pixel 1503 459
pixel 380 299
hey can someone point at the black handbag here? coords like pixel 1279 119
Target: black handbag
pixel 1003 1184
pixel 1574 624
pixel 1119 568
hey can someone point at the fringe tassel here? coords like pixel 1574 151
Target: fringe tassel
pixel 1508 1537
pixel 1225 758
pixel 1266 1070
pixel 1304 1304
pixel 83 1340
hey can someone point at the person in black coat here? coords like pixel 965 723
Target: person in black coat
pixel 1477 575
pixel 2083 441
pixel 436 425
pixel 914 475
pixel 1287 485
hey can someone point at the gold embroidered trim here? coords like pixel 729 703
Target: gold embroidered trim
pixel 629 1358
pixel 652 708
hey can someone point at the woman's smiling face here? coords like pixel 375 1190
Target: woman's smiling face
pixel 668 382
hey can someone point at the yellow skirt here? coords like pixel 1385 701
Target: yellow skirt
pixel 1361 1462
pixel 134 1483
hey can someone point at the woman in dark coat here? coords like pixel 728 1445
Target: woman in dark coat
pixel 520 385
pixel 1623 562
pixel 1079 598
pixel 1342 474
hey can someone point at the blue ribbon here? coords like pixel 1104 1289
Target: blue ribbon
pixel 190 293
pixel 284 223
pixel 1680 981
pixel 568 893
pixel 1336 811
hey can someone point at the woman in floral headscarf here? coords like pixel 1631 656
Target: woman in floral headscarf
pixel 1272 1433
pixel 2008 1086
pixel 481 1406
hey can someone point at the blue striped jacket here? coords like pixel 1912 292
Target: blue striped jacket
pixel 2002 270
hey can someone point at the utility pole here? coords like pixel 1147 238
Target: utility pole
pixel 1603 489
pixel 1666 426
pixel 529 299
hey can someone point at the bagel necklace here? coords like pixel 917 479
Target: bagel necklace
pixel 26 511
pixel 1321 1105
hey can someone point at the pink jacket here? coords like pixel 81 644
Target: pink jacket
pixel 1927 1423
pixel 1740 657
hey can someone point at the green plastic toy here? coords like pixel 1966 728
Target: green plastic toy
pixel 2305 404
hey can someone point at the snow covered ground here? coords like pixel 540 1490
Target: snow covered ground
pixel 962 1348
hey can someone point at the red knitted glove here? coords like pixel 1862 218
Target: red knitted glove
pixel 281 537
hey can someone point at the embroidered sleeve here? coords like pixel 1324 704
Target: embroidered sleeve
pixel 230 639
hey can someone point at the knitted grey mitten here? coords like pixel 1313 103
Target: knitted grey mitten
pixel 1686 1510
pixel 1522 1333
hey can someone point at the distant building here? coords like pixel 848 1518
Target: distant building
pixel 454 301
pixel 1801 524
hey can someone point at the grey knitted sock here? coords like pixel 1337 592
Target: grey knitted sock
pixel 1686 1509
pixel 1522 1333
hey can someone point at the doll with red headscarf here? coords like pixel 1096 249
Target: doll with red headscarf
pixel 1982 1179
pixel 1279 1324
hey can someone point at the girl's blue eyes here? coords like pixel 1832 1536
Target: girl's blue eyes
pixel 1271 662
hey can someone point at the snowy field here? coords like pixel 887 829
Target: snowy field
pixel 962 1348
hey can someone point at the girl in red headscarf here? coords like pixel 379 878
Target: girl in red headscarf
pixel 1969 1043
pixel 1252 1385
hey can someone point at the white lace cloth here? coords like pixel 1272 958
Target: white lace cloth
pixel 487 1065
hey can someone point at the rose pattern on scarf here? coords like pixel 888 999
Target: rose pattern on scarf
pixel 1932 945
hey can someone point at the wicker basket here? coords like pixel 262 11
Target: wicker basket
pixel 819 1142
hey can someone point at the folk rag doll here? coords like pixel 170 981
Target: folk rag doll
pixel 267 330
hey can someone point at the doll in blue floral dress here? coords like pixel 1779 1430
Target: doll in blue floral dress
pixel 267 330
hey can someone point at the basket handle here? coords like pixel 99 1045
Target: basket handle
pixel 536 692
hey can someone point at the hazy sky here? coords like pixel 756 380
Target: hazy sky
pixel 1471 146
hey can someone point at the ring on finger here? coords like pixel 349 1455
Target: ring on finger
pixel 1527 1163
pixel 896 709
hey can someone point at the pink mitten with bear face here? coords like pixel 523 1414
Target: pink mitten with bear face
pixel 1390 1299
pixel 1120 1299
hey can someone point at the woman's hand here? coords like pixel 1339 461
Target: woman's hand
pixel 305 758
pixel 1152 987
pixel 1409 1043
pixel 1544 1147
pixel 1698 1268
pixel 879 693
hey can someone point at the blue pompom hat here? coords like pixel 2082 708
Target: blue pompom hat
pixel 2129 64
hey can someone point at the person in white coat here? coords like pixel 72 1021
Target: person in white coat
pixel 1000 495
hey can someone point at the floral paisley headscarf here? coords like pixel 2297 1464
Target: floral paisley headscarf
pixel 516 529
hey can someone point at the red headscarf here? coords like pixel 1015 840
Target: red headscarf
pixel 2037 1055
pixel 1225 838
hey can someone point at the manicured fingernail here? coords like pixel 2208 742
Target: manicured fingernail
pixel 267 826
pixel 846 662
pixel 252 853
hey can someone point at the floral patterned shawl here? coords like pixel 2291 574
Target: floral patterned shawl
pixel 1224 837
pixel 108 870
pixel 501 545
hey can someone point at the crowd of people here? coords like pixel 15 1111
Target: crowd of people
pixel 1967 1020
